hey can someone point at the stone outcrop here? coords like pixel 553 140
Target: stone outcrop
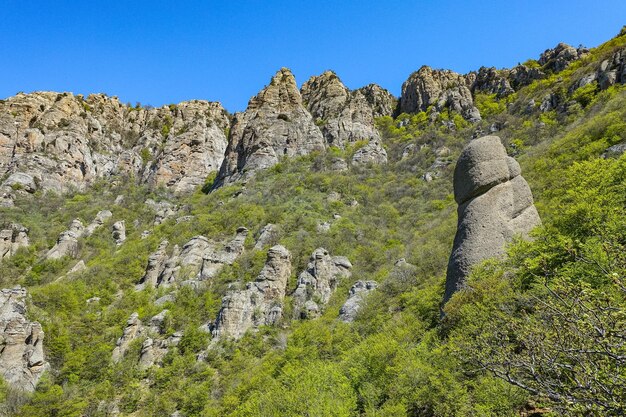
pixel 442 89
pixel 265 236
pixel 318 282
pixel 356 297
pixel 343 116
pixel 381 101
pixel 260 303
pixel 559 57
pixel 495 204
pixel 275 124
pixel 22 360
pixel 611 71
pixel 12 239
pixel 372 153
pixel 67 242
pixel 100 219
pixel 119 232
pixel 490 81
pixel 58 141
pixel 199 260
pixel 155 343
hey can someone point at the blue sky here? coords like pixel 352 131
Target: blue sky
pixel 160 52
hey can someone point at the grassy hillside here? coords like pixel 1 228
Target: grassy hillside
pixel 556 302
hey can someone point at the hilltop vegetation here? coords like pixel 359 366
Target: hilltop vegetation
pixel 541 331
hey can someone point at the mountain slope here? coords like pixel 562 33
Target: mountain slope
pixel 397 357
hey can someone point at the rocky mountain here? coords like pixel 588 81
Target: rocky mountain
pixel 174 274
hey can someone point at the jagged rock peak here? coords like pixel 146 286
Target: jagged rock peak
pixel 260 303
pixel 495 204
pixel 440 89
pixel 344 116
pixel 318 282
pixel 559 57
pixel 275 124
pixel 22 360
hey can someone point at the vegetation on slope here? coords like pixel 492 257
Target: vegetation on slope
pixel 542 328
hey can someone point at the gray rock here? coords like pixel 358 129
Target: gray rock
pixel 67 242
pixel 19 180
pixel 12 239
pixel 275 124
pixel 440 89
pixel 318 282
pixel 100 219
pixel 495 204
pixel 338 164
pixel 356 297
pixel 266 236
pixel 59 141
pixel 260 303
pixel 372 153
pixel 343 116
pixel 559 57
pixel 22 360
pixel 119 232
pixel 78 267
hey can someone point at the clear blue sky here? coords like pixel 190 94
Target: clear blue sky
pixel 159 52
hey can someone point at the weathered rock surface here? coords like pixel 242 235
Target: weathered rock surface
pixel 441 89
pixel 260 303
pixel 200 259
pixel 559 57
pixel 22 360
pixel 100 219
pixel 357 295
pixel 343 116
pixel 612 70
pixel 372 153
pixel 490 81
pixel 58 141
pixel 67 243
pixel 495 204
pixel 155 344
pixel 381 101
pixel 265 236
pixel 318 282
pixel 274 125
pixel 13 238
pixel 119 232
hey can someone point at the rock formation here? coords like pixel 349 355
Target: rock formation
pixel 58 141
pixel 22 360
pixel 200 259
pixel 318 282
pixel 343 116
pixel 11 239
pixel 274 125
pixel 260 303
pixel 100 219
pixel 155 344
pixel 495 204
pixel 119 232
pixel 438 88
pixel 372 153
pixel 559 57
pixel 357 295
pixel 67 243
pixel 265 236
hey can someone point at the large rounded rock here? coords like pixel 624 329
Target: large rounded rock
pixel 495 204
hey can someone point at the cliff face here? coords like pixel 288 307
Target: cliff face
pixel 52 141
